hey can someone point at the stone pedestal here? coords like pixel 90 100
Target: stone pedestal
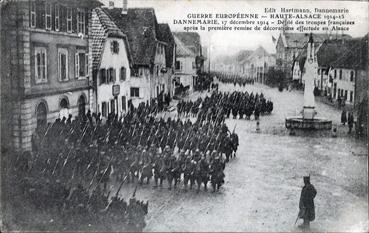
pixel 308 113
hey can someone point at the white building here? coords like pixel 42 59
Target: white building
pixel 147 79
pixel 185 66
pixel 257 64
pixel 111 65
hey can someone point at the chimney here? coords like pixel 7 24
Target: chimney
pixel 111 4
pixel 125 7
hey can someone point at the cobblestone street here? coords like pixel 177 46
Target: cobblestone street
pixel 264 182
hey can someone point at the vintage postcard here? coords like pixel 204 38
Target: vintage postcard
pixel 184 116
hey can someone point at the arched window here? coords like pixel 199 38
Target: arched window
pixel 81 105
pixel 64 103
pixel 64 108
pixel 41 115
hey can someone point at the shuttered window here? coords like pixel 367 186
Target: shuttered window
pixel 111 75
pixel 104 109
pixel 123 74
pixel 102 74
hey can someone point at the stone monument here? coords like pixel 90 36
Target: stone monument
pixel 308 120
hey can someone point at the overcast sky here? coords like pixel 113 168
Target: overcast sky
pixel 230 42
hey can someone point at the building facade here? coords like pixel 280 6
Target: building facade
pixel 185 67
pixel 111 65
pixel 49 70
pixel 147 79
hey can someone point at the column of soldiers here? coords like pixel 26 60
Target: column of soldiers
pixel 73 161
pixel 232 78
pixel 241 104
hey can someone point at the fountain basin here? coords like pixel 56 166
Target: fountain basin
pixel 298 122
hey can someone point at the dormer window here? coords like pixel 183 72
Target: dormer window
pixel 114 46
pixel 145 31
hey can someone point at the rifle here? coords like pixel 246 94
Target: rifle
pixel 120 186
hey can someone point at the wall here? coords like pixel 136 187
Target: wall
pixel 143 83
pixel 116 61
pixel 344 83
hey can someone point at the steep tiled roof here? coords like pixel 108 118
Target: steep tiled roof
pixel 298 40
pixel 139 24
pixel 330 51
pixel 355 56
pixel 243 55
pixel 182 50
pixel 164 34
pixel 191 40
pixel 102 27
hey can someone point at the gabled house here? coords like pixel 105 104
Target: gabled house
pixel 192 41
pixel 257 64
pixel 148 52
pixel 47 68
pixel 165 34
pixel 289 45
pixel 242 62
pixel 349 71
pixel 185 67
pixel 111 65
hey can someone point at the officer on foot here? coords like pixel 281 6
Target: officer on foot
pixel 306 205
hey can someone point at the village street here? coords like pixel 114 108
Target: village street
pixel 263 184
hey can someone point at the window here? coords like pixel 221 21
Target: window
pixel 81 105
pixel 335 74
pixel 178 65
pixel 33 15
pixel 103 76
pixel 135 92
pixel 40 65
pixel 69 20
pixel 111 75
pixel 134 72
pixel 124 103
pixel 48 16
pixel 123 74
pixel 63 64
pixel 81 21
pixel 351 76
pixel 340 74
pixel 351 96
pixel 41 115
pixel 112 106
pixel 318 71
pixel 157 70
pixel 81 64
pixel 57 17
pixel 104 109
pixel 114 46
pixel 345 94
